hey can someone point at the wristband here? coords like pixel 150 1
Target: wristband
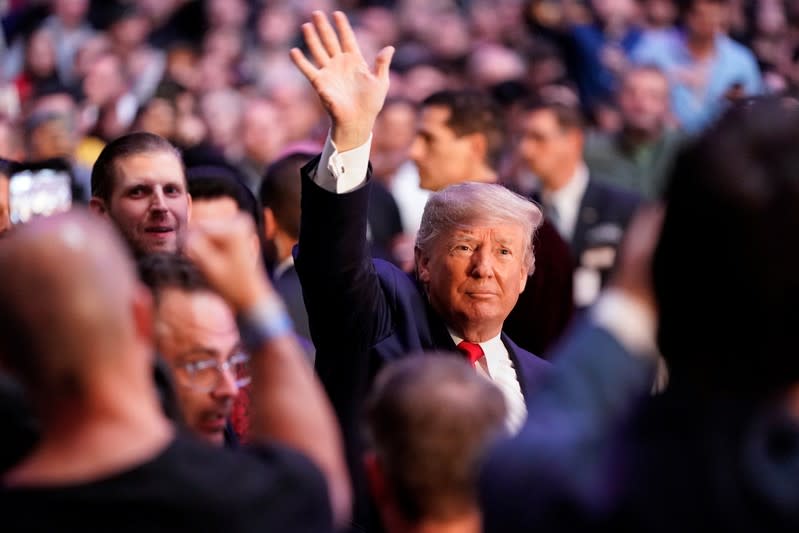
pixel 263 322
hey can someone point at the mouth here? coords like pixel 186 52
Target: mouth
pixel 159 230
pixel 481 295
pixel 213 422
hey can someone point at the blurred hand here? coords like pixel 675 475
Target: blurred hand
pixel 351 93
pixel 223 252
pixel 633 273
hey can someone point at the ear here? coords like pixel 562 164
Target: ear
pixel 422 265
pixel 525 276
pixel 478 143
pixel 188 208
pixel 270 225
pixel 143 313
pixel 97 205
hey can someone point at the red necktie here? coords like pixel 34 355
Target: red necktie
pixel 472 351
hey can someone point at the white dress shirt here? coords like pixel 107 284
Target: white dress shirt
pixel 343 172
pixel 497 366
pixel 566 202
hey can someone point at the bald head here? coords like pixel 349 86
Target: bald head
pixel 70 301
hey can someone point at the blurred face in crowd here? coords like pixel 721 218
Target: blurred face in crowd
pixel 443 158
pixel 150 203
pixel 104 80
pixel 52 138
pixel 393 134
pixel 71 12
pixel 644 101
pixel 196 331
pixel 660 13
pixel 547 148
pixel 262 139
pixel 614 11
pixel 705 19
pixel 474 275
pixel 40 55
pixel 158 117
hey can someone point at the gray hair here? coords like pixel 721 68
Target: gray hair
pixel 466 204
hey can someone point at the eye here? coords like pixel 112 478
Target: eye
pixel 137 191
pixel 504 251
pixel 173 190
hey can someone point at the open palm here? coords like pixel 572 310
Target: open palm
pixel 352 93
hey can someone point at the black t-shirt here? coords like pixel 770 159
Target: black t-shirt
pixel 190 486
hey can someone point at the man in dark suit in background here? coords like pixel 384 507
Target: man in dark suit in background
pixel 473 253
pixel 591 216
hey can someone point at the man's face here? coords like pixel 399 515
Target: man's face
pixel 194 328
pixel 545 147
pixel 474 276
pixel 442 157
pixel 644 101
pixel 705 19
pixel 150 203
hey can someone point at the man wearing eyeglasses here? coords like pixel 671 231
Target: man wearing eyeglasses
pixel 197 337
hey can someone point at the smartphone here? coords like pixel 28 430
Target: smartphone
pixel 38 189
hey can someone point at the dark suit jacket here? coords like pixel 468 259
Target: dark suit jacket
pixel 605 212
pixel 289 288
pixel 546 305
pixel 364 313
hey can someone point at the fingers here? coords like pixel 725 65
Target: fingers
pixel 346 34
pixel 326 33
pixel 383 62
pixel 315 46
pixel 305 66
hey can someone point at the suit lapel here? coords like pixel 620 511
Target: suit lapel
pixel 513 352
pixel 587 216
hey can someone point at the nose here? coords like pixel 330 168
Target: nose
pixel 158 201
pixel 226 387
pixel 482 264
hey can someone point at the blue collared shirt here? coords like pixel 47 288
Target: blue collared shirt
pixel 695 105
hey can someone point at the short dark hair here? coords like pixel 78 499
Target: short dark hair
pixel 429 419
pixel 567 111
pixel 280 190
pixel 724 274
pixel 208 182
pixel 104 172
pixel 685 6
pixel 170 271
pixel 472 111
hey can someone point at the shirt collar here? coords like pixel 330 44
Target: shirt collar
pixel 572 192
pixel 283 266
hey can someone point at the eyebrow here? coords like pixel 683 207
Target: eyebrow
pixel 212 352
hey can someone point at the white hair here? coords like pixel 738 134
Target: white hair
pixel 467 204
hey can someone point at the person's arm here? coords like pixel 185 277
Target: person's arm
pixel 288 403
pixel 340 287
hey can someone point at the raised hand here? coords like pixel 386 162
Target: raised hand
pixel 352 93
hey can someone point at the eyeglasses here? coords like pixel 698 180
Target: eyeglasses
pixel 206 375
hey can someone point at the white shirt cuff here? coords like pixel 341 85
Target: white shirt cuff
pixel 632 323
pixel 342 172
